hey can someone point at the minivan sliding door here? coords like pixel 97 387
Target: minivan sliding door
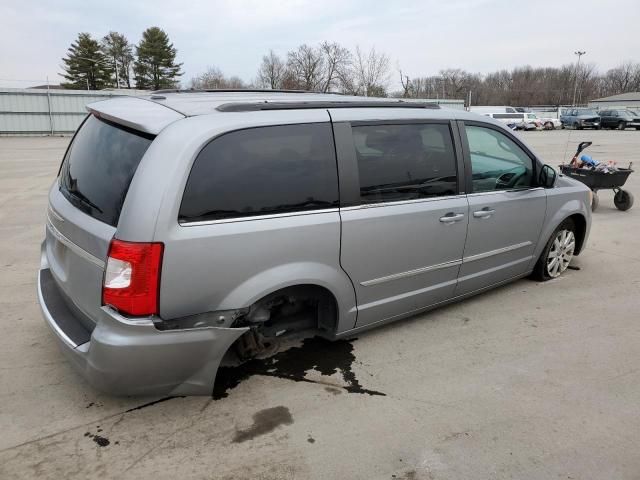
pixel 404 220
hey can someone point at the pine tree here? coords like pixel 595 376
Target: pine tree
pixel 85 65
pixel 119 52
pixel 155 65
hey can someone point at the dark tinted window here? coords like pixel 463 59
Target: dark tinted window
pixel 405 162
pixel 497 162
pixel 98 168
pixel 263 171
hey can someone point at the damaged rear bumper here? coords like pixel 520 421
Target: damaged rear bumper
pixel 125 356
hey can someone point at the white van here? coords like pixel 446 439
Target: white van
pixel 493 109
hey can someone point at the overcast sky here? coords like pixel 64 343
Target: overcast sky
pixel 422 37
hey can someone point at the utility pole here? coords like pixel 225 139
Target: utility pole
pixel 575 85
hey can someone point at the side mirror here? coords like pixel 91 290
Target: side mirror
pixel 547 178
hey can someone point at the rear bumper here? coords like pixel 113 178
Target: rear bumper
pixel 125 356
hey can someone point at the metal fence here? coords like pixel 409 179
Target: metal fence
pixel 46 112
pixel 35 111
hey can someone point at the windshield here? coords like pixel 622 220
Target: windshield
pixel 98 168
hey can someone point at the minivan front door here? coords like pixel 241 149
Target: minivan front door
pixel 403 233
pixel 506 209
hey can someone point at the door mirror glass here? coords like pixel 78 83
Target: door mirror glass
pixel 547 177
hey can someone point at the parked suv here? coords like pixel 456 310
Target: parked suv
pixel 580 118
pixel 620 119
pixel 181 224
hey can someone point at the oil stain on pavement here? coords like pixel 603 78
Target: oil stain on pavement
pixel 264 421
pixel 324 356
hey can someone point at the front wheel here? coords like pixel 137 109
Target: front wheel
pixel 623 200
pixel 548 126
pixel 558 252
pixel 577 126
pixel 622 126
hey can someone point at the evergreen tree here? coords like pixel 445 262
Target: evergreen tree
pixel 85 66
pixel 155 66
pixel 119 52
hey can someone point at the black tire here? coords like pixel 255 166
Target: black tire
pixel 623 200
pixel 540 271
pixel 577 126
pixel 637 128
pixel 595 201
pixel 622 126
pixel 548 126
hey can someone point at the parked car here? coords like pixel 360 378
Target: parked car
pixel 520 121
pixel 184 223
pixel 580 118
pixel 620 119
pixel 550 123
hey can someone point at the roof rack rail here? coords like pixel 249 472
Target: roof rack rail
pixel 238 90
pixel 257 106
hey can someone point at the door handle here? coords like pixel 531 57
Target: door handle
pixel 484 213
pixel 452 217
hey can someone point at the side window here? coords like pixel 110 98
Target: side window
pixel 497 162
pixel 262 171
pixel 405 162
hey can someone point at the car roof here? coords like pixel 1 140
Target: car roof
pixel 146 113
pixel 202 102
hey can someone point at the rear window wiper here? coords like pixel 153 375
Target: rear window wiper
pixel 83 199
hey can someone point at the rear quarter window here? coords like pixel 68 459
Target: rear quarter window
pixel 262 171
pixel 98 168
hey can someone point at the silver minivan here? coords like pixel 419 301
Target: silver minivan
pixel 185 225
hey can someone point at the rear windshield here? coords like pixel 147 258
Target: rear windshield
pixel 98 168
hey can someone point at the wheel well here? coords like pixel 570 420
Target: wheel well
pixel 581 229
pixel 319 299
pixel 288 314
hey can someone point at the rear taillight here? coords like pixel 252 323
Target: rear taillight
pixel 132 277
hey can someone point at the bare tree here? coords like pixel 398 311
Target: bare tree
pixel 371 73
pixel 406 85
pixel 336 64
pixel 622 79
pixel 272 71
pixel 306 67
pixel 213 78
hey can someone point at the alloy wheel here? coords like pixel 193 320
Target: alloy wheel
pixel 560 253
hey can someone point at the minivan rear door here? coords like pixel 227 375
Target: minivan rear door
pixel 84 208
pixel 404 219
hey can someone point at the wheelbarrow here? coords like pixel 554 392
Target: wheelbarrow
pixel 598 180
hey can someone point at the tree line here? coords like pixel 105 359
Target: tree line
pixel 526 85
pixel 114 62
pixel 331 67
